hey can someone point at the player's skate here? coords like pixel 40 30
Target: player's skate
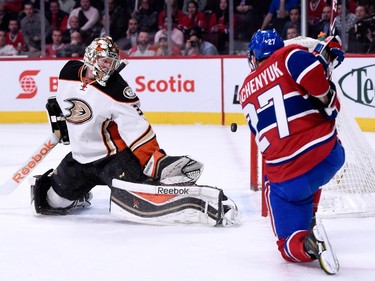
pixel 39 203
pixel 318 247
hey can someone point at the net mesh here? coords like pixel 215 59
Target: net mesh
pixel 352 191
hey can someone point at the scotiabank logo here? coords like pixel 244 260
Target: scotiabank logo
pixel 172 85
pixel 28 84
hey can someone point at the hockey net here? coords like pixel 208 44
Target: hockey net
pixel 351 193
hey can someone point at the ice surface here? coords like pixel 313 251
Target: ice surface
pixel 93 245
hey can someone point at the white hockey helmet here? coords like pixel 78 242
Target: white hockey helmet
pixel 102 57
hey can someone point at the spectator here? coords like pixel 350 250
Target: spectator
pixel 162 47
pixel 278 14
pixel 6 49
pixel 360 35
pixel 147 17
pixel 4 17
pixel 13 6
pixel 196 46
pixel 201 6
pixel 350 20
pixel 176 13
pixel 75 49
pixel 194 18
pixel 248 20
pixel 177 37
pixel 131 36
pixel 31 27
pixel 292 32
pixel 56 17
pixel 323 25
pixel 315 11
pixel 100 30
pixel 295 21
pixel 88 18
pixel 219 27
pixel 15 37
pixel 67 5
pixel 74 27
pixel 143 48
pixel 119 20
pixel 57 44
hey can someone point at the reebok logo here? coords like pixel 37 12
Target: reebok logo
pixel 173 191
pixel 20 174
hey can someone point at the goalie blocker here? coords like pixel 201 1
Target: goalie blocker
pixel 168 204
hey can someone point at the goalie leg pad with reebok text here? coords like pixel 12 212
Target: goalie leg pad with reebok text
pixel 152 204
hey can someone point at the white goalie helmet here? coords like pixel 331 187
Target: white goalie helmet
pixel 102 57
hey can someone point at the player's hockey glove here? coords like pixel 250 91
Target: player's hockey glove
pixel 57 120
pixel 330 110
pixel 329 52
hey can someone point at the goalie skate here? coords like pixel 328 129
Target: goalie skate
pixel 319 247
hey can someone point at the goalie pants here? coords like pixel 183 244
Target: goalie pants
pixel 73 180
pixel 291 203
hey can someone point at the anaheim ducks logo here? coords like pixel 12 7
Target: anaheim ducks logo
pixel 79 111
pixel 128 93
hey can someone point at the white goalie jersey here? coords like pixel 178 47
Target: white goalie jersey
pixel 102 121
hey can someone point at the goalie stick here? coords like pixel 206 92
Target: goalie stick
pixel 39 154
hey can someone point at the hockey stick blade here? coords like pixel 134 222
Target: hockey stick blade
pixel 39 154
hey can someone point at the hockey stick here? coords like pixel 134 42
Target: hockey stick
pixel 333 17
pixel 39 154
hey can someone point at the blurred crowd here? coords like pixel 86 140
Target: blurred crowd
pixel 197 27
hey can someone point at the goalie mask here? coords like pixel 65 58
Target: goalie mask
pixel 262 45
pixel 102 57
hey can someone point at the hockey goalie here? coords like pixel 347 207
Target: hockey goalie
pixel 112 143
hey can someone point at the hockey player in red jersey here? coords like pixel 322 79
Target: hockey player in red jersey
pixel 291 107
pixel 112 143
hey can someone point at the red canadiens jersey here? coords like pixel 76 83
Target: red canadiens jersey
pixel 290 132
pixel 102 120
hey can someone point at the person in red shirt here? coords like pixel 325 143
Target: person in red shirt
pixel 194 18
pixel 57 44
pixel 57 17
pixel 15 37
pixel 314 11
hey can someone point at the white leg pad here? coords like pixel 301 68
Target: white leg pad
pixel 151 204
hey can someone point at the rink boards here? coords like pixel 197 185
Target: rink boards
pixel 176 90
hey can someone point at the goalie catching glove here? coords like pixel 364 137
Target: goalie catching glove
pixel 177 170
pixel 57 120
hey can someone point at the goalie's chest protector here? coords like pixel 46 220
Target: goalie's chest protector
pixel 95 114
pixel 291 134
